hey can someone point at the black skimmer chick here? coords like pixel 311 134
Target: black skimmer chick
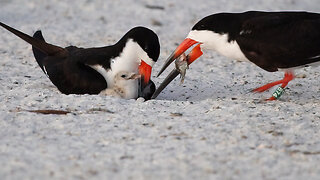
pixel 75 70
pixel 271 40
pixel 123 85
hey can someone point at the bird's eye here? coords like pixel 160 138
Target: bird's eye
pixel 123 76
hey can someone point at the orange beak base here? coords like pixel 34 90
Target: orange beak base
pixel 145 71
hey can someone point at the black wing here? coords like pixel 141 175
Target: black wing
pixel 72 76
pixel 68 68
pixel 68 73
pixel 280 39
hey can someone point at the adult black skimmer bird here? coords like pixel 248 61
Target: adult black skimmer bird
pixel 76 70
pixel 271 40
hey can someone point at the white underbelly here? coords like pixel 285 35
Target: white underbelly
pixel 232 51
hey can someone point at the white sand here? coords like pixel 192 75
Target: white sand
pixel 211 127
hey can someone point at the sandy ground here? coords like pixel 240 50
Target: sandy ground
pixel 211 127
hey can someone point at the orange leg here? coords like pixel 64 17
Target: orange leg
pixel 288 76
pixel 271 99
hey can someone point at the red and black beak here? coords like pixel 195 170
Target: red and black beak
pixel 145 72
pixel 192 56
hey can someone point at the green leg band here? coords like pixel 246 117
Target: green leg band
pixel 279 91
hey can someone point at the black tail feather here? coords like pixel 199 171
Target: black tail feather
pixel 46 48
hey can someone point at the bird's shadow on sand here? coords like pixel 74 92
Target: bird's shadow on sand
pixel 200 92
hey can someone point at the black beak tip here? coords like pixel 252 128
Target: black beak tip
pixel 159 73
pixel 148 90
pixel 173 74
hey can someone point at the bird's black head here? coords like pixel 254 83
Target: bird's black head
pixel 145 48
pixel 221 23
pixel 147 40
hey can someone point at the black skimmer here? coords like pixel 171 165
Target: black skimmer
pixel 75 70
pixel 271 40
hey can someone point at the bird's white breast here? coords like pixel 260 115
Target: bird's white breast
pixel 128 60
pixel 218 42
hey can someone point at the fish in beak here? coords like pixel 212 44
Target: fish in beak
pixel 194 54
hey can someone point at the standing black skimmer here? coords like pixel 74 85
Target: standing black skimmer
pixel 271 40
pixel 76 70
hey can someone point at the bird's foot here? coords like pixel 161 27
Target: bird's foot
pixel 271 99
pixel 288 76
pixel 277 94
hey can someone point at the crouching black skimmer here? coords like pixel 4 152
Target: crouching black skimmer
pixel 271 40
pixel 76 70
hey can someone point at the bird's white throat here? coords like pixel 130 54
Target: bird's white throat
pixel 218 42
pixel 128 60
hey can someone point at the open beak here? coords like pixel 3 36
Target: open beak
pixel 185 45
pixel 192 56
